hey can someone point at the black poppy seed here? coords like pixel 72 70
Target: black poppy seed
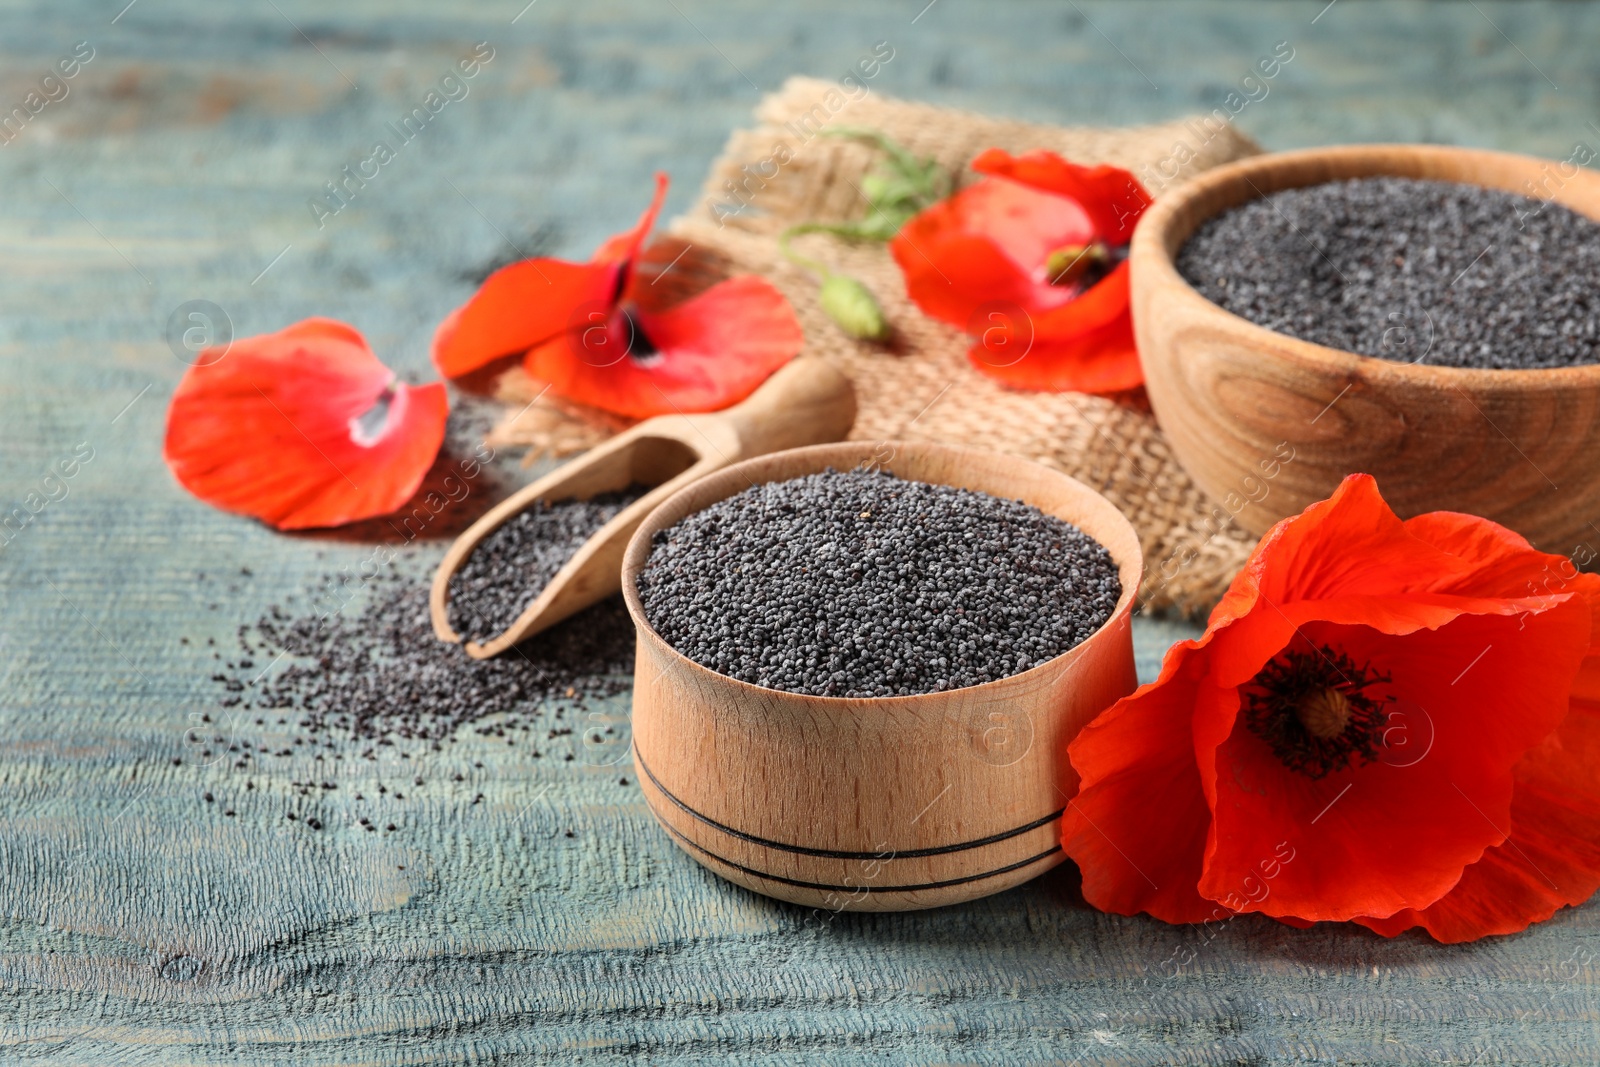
pixel 376 673
pixel 507 569
pixel 785 586
pixel 1410 271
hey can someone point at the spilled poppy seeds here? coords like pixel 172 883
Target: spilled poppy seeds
pixel 372 682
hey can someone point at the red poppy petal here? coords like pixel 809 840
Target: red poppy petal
pixel 1374 839
pixel 1113 197
pixel 1134 759
pixel 1086 346
pixel 1350 545
pixel 527 303
pixel 624 247
pixel 711 351
pixel 950 278
pixel 518 307
pixel 272 429
pixel 1550 860
pixel 1504 564
pixel 1406 612
pixel 987 244
pixel 1101 361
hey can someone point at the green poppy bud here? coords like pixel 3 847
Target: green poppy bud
pixel 854 308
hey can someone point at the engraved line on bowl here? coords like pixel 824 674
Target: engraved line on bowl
pixel 1046 854
pixel 832 853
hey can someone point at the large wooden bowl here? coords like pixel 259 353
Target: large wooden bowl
pixel 1267 424
pixel 875 804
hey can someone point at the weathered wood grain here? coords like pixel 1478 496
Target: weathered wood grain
pixel 139 925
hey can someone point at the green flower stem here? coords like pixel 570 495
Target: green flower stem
pixel 792 256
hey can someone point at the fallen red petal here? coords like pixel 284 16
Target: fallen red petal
pixel 275 429
pixel 710 351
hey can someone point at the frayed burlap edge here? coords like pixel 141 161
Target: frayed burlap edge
pixel 921 387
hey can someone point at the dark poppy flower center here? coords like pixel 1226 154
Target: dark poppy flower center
pixel 641 349
pixel 1312 708
pixel 1082 265
pixel 608 340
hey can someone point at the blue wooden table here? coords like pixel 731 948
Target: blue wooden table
pixel 183 160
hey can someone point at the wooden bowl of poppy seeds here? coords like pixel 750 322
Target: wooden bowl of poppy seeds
pixel 859 666
pixel 1428 315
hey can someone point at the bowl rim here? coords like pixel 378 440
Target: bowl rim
pixel 1148 255
pixel 638 553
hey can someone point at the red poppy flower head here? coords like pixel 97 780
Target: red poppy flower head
pixel 595 332
pixel 1031 261
pixel 1372 728
pixel 303 428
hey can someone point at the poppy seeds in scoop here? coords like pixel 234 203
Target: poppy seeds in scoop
pixel 508 569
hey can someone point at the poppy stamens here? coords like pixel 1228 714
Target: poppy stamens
pixel 1312 708
pixel 1078 264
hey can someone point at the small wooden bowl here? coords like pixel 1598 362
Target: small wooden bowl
pixel 885 804
pixel 1267 424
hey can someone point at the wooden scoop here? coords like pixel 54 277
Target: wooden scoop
pixel 806 402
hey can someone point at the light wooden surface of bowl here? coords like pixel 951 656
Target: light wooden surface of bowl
pixel 1267 424
pixel 875 804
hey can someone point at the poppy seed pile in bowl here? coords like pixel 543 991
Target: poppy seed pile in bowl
pixel 1409 270
pixel 863 584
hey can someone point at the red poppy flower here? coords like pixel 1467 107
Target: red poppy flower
pixel 596 333
pixel 302 428
pixel 1032 260
pixel 1396 723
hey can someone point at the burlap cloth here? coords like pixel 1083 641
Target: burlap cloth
pixel 921 387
